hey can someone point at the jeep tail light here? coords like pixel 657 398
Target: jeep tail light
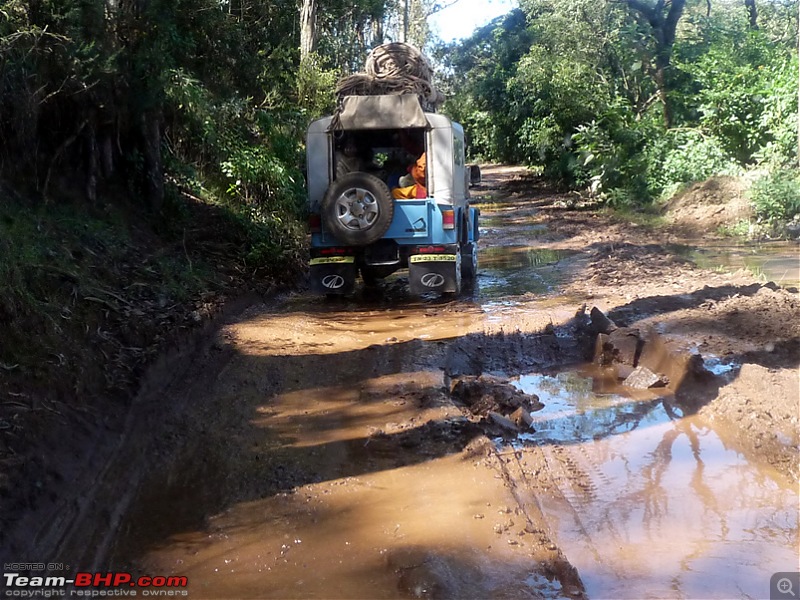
pixel 448 219
pixel 314 223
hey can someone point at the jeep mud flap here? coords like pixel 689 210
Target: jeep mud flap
pixel 439 272
pixel 333 274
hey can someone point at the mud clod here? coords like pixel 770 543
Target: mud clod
pixel 504 422
pixel 495 398
pixel 600 323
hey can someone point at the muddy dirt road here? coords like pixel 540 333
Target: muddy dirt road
pixel 350 449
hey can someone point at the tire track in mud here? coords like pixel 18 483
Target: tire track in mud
pixel 559 491
pixel 575 477
pixel 528 485
pixel 348 423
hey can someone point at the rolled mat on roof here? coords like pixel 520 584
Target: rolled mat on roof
pixel 393 68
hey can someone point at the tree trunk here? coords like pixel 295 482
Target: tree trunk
pixel 377 31
pixel 35 12
pixel 92 160
pixel 405 20
pixel 663 20
pixel 662 87
pixel 107 152
pixel 308 28
pixel 752 13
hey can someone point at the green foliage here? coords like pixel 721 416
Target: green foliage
pixel 776 196
pixel 680 156
pixel 566 86
pixel 612 154
pixel 571 88
pixel 477 82
pixel 778 118
pixel 315 85
pixel 744 90
pixel 248 157
pixel 561 94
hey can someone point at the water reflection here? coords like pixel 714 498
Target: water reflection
pixel 654 505
pixel 513 270
pixel 575 412
pixel 775 261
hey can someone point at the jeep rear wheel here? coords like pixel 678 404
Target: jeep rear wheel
pixel 469 261
pixel 357 209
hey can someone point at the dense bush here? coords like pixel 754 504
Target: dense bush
pixel 681 156
pixel 612 151
pixel 574 88
pixel 166 97
pixel 776 196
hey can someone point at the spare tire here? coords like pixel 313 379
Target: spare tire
pixel 357 209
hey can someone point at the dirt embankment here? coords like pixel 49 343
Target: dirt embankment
pixel 95 295
pixel 710 206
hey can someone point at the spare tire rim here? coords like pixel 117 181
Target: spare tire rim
pixel 357 209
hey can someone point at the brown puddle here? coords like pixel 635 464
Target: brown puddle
pixel 513 270
pixel 776 261
pixel 411 532
pixel 655 504
pixel 334 465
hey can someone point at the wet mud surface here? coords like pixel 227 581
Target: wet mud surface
pixel 384 446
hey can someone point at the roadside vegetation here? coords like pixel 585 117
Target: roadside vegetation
pixel 629 101
pixel 151 167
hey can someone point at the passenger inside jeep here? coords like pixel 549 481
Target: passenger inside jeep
pixel 417 187
pixel 389 154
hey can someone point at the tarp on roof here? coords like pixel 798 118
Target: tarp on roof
pixel 400 111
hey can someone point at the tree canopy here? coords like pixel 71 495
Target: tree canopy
pixel 626 98
pixel 631 97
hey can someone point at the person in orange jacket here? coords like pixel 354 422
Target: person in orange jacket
pixel 418 189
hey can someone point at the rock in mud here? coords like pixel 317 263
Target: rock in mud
pixel 600 322
pixel 623 371
pixel 522 418
pixel 504 422
pixel 643 378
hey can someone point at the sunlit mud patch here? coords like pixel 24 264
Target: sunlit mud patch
pixel 505 271
pixel 442 528
pixel 649 503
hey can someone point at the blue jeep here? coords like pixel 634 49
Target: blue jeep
pixel 355 160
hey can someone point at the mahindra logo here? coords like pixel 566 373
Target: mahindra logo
pixel 333 282
pixel 432 280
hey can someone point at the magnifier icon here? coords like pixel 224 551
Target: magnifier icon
pixel 785 587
